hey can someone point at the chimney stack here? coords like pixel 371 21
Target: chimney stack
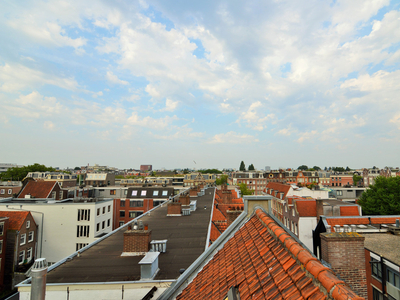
pixel 320 208
pixel 232 213
pixel 344 251
pixel 136 241
pixel 174 209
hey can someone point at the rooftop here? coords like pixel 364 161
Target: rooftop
pixel 263 261
pixel 37 189
pixel 16 218
pixel 103 262
pixel 385 244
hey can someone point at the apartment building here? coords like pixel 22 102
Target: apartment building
pixel 65 226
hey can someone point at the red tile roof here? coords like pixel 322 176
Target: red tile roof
pixel 280 187
pixel 16 218
pixel 264 262
pixel 306 208
pixel 218 215
pixel 349 211
pixel 358 220
pixel 215 233
pixel 38 189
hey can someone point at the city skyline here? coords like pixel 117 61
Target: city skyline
pixel 200 85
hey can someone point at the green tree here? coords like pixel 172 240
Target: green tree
pixel 356 179
pixel 244 190
pixel 20 173
pixel 303 168
pixel 251 167
pixel 382 198
pixel 242 166
pixel 316 168
pixel 223 179
pixel 210 171
pixel 348 169
pixel 77 168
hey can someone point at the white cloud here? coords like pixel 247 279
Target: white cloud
pixel 150 122
pixel 255 118
pixel 170 105
pixel 111 77
pixel 232 138
pixel 16 77
pixel 48 125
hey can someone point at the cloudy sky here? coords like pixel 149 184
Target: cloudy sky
pixel 200 84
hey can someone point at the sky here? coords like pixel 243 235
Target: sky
pixel 200 84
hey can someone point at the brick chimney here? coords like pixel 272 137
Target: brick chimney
pixel 193 192
pixel 137 241
pixel 232 213
pixel 320 208
pixel 184 199
pixel 174 209
pixel 344 251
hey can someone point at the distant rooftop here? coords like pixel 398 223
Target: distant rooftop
pixel 103 262
pixel 385 244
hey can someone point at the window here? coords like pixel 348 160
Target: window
pixel 112 192
pixel 2 191
pixel 108 222
pixel 104 210
pixel 136 203
pixel 134 193
pixel 79 246
pixel 122 203
pixel 21 257
pixel 122 213
pixel 103 225
pixel 121 223
pixel 30 236
pixel 165 193
pixel 134 214
pixel 143 193
pixel 98 211
pixel 61 195
pixel 9 191
pixel 155 193
pixel 376 295
pixel 29 254
pixel 54 195
pixel 125 192
pixel 1 228
pixel 98 227
pixel 393 277
pixel 1 246
pixel 82 231
pixel 376 268
pixel 28 224
pixel 23 239
pixel 109 208
pixel 83 214
pixel 339 193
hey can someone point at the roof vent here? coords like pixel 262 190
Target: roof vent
pixel 159 246
pixel 38 285
pixel 186 211
pixel 193 205
pixel 149 266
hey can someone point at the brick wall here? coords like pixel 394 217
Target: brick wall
pixel 320 208
pixel 232 215
pixel 137 240
pixel 344 251
pixel 185 200
pixel 174 208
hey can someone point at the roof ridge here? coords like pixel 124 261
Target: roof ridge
pixel 335 287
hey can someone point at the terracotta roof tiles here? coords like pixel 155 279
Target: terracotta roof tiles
pixel 16 218
pixel 360 220
pixel 306 208
pixel 264 262
pixel 37 189
pixel 349 211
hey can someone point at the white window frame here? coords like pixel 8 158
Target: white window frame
pixel 9 191
pixel 28 224
pixel 1 228
pixel 1 246
pixel 23 257
pixel 22 239
pixel 29 254
pixel 30 238
pixel 2 191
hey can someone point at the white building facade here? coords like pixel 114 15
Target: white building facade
pixel 66 226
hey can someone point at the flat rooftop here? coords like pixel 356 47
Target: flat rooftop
pixel 385 244
pixel 103 262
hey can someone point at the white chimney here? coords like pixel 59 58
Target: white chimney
pixel 38 284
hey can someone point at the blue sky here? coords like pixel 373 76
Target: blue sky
pixel 272 83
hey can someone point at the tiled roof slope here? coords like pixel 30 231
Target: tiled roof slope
pixel 264 262
pixel 349 211
pixel 16 218
pixel 306 208
pixel 37 189
pixel 280 187
pixel 360 220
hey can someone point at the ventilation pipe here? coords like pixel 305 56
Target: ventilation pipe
pixel 38 284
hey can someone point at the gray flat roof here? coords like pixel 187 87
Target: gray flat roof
pixel 337 202
pixel 103 262
pixel 385 244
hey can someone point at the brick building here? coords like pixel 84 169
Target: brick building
pixel 4 223
pixel 137 201
pixel 43 190
pixel 20 245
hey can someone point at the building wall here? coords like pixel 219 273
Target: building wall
pixel 3 241
pixel 9 191
pixel 61 224
pixel 306 227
